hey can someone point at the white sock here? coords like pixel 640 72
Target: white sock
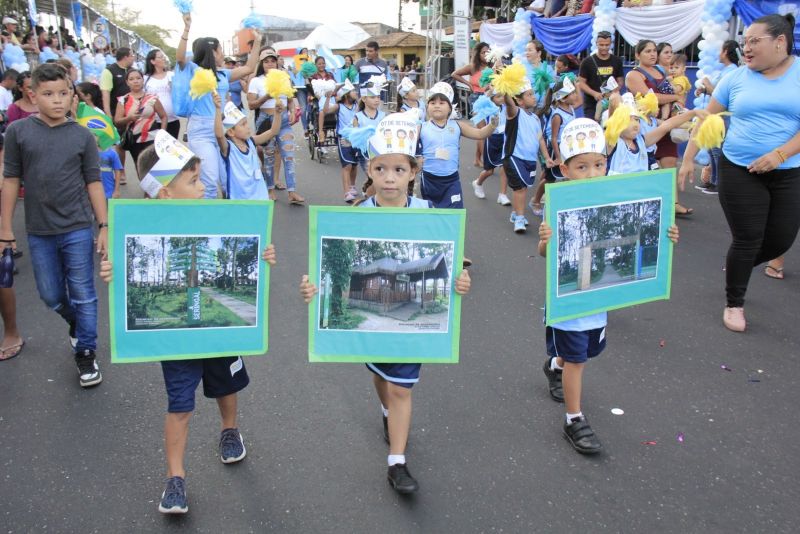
pixel 571 416
pixel 554 366
pixel 395 459
pixel 385 411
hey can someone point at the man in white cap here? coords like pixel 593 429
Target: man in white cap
pixel 10 26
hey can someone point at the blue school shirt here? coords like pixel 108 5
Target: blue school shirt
pixel 647 125
pixel 623 160
pixel 405 107
pixel 366 120
pixel 109 162
pixel 529 131
pixel 345 117
pixel 502 117
pixel 433 138
pixel 245 181
pixel 413 202
pixel 204 106
pixel 766 113
pixel 566 118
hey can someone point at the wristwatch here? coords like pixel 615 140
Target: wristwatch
pixel 102 225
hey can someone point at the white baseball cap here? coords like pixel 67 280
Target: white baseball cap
pixel 395 134
pixel 582 136
pixel 10 20
pixel 442 88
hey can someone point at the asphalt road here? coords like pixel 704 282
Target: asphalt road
pixel 486 442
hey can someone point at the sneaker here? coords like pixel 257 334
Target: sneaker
pixel 73 338
pixel 581 436
pixel 536 208
pixel 231 446
pixel 554 381
pixel 503 200
pixel 703 186
pixel 350 197
pixel 386 429
pixel 173 500
pixel 519 225
pixel 711 190
pixel 478 189
pixel 401 480
pixel 88 369
pixel 733 319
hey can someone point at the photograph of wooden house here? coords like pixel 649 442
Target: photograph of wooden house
pixel 385 285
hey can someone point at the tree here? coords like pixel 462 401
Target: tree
pixel 337 261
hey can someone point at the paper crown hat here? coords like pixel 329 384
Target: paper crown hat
pixel 526 85
pixel 172 157
pixel 442 88
pixel 582 136
pixel 567 88
pixel 395 134
pixel 322 87
pixel 231 115
pixel 405 87
pixel 374 86
pixel 609 86
pixel 344 89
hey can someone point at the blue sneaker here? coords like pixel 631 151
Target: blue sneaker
pixel 231 446
pixel 173 500
pixel 519 225
pixel 513 217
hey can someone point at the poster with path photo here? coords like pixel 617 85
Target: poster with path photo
pixel 189 281
pixel 385 279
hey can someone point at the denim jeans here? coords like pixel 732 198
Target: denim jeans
pixel 63 266
pixel 283 143
pixel 715 155
pixel 302 99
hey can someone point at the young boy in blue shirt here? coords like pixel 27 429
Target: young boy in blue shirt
pixel 111 172
pixel 222 377
pixel 571 343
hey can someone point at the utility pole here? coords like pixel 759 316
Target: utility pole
pixel 399 15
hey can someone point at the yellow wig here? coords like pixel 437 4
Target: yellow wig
pixel 279 84
pixel 203 82
pixel 617 123
pixel 511 80
pixel 648 104
pixel 711 132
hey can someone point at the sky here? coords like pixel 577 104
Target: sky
pixel 209 20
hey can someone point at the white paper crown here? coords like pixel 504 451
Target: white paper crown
pixel 172 156
pixel 395 134
pixel 344 89
pixel 609 86
pixel 582 136
pixel 629 100
pixel 567 88
pixel 406 86
pixel 231 115
pixel 374 86
pixel 442 88
pixel 322 88
pixel 526 85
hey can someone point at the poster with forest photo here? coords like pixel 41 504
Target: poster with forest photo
pixel 385 280
pixel 609 247
pixel 189 281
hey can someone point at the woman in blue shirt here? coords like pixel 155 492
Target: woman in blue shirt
pixel 759 187
pixel 200 128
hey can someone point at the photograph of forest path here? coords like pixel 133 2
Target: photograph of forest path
pixel 191 282
pixel 606 246
pixel 384 285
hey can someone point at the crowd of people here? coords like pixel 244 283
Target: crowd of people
pixel 556 125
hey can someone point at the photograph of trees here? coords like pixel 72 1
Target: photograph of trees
pixel 608 245
pixel 191 282
pixel 385 285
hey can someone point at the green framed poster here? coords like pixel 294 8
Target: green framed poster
pixel 609 247
pixel 189 281
pixel 385 279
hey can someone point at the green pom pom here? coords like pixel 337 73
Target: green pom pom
pixel 486 77
pixel 308 69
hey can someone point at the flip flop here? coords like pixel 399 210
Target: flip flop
pixel 17 348
pixel 295 202
pixel 280 187
pixel 686 213
pixel 774 272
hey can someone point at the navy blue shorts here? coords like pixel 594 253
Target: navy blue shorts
pixel 220 377
pixel 652 162
pixel 348 155
pixel 443 191
pixel 399 374
pixel 520 173
pixel 575 347
pixel 493 151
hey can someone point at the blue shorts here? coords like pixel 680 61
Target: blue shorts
pixel 520 173
pixel 652 162
pixel 399 374
pixel 348 155
pixel 220 377
pixel 443 191
pixel 575 347
pixel 493 151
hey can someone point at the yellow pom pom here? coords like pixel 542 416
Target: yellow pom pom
pixel 648 104
pixel 710 133
pixel 511 80
pixel 279 84
pixel 203 82
pixel 617 123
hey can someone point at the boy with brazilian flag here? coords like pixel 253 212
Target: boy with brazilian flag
pixel 106 136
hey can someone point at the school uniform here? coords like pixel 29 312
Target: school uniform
pixel 344 119
pixel 220 377
pixel 566 116
pixel 494 144
pixel 522 149
pixel 365 120
pixel 624 160
pixel 647 125
pixel 244 178
pixel 400 374
pixel 405 107
pixel 440 145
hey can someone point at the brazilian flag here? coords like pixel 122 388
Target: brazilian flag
pixel 99 124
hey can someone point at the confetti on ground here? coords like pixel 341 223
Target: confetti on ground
pixel 662 343
pixel 649 442
pixel 617 411
pixel 680 437
pixel 760 371
pixel 725 368
pixel 753 380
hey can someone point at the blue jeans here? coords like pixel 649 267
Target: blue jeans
pixel 63 266
pixel 285 144
pixel 716 155
pixel 302 99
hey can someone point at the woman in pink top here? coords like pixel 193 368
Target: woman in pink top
pixel 23 106
pixel 474 70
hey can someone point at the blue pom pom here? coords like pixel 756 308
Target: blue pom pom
pixel 359 137
pixel 702 158
pixel 184 6
pixel 483 109
pixel 253 22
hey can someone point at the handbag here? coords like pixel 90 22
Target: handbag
pixel 127 140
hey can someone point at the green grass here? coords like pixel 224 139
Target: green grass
pixel 347 321
pixel 244 293
pixel 172 308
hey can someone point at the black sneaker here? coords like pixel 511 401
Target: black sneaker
pixel 73 338
pixel 711 190
pixel 386 429
pixel 581 436
pixel 703 186
pixel 401 480
pixel 88 369
pixel 554 381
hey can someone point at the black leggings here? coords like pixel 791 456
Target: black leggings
pixel 763 213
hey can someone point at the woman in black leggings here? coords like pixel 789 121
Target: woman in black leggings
pixel 759 182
